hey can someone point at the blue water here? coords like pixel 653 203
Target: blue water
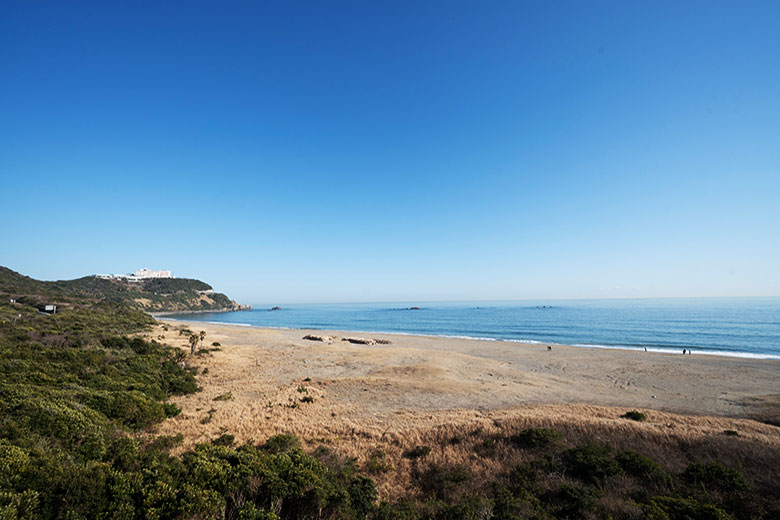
pixel 746 327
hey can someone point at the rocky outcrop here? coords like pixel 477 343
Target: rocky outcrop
pixel 367 341
pixel 312 337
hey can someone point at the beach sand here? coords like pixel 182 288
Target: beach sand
pixel 400 394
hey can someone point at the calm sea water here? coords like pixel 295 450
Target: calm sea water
pixel 748 327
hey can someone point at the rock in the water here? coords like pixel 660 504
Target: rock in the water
pixel 275 309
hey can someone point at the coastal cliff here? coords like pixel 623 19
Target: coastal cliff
pixel 154 295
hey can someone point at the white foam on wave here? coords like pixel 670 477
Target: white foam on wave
pixel 452 336
pixel 699 352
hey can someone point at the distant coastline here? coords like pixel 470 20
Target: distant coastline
pixel 244 308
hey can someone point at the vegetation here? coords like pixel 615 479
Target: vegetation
pixel 80 390
pixel 635 415
pixel 551 479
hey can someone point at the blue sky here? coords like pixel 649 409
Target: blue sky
pixel 351 151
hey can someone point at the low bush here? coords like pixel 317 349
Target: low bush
pixel 572 501
pixel 635 415
pixel 443 481
pixel 536 438
pixel 677 508
pixel 714 476
pixel 224 440
pixel 640 466
pixel 282 443
pixel 591 463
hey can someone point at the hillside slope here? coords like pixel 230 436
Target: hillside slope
pixel 153 295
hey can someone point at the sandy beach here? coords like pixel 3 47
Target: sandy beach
pixel 415 375
pixel 422 390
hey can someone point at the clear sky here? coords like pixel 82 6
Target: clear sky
pixel 328 151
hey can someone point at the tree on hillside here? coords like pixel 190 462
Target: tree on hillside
pixel 193 342
pixel 202 335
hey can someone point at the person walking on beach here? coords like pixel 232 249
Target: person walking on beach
pixel 683 352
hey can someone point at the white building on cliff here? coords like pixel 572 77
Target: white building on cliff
pixel 141 274
pixel 148 273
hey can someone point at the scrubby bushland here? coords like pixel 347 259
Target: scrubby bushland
pixel 74 387
pixel 583 481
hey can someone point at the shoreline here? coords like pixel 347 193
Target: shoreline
pixel 650 349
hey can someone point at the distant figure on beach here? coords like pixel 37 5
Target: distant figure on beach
pixel 645 349
pixel 549 347
pixel 683 352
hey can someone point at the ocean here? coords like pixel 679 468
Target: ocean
pixel 743 327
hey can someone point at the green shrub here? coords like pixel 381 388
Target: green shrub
pixel 508 506
pixel 536 438
pixel 470 508
pixel 634 415
pixel 282 443
pixel 443 481
pixel 592 463
pixel 572 501
pixel 250 512
pixel 675 508
pixel 224 440
pixel 362 496
pixel 165 443
pixel 639 466
pixel 403 509
pixel 714 475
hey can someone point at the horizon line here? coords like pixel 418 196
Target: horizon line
pixel 510 300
